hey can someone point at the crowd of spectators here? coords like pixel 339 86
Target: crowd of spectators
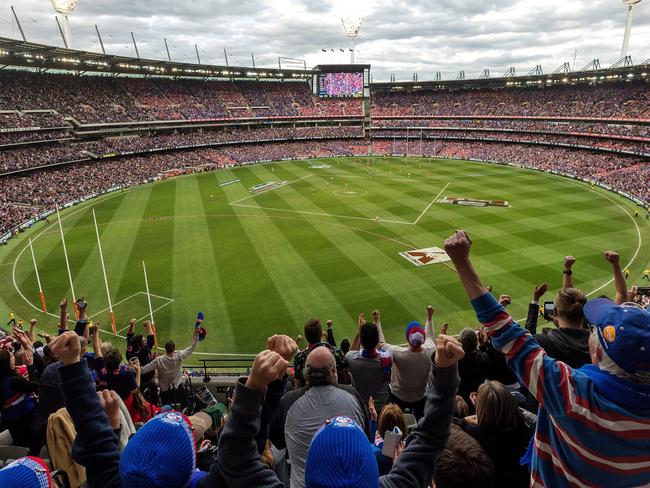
pixel 103 99
pixel 500 405
pixel 41 155
pixel 629 99
pixel 24 196
pixel 585 140
pixel 517 124
pixel 28 195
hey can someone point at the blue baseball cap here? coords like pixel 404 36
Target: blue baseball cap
pixel 623 332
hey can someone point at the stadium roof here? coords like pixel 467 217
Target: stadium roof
pixel 40 56
pixel 621 71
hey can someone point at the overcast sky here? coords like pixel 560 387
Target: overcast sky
pixel 401 37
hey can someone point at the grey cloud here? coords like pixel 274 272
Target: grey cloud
pixel 399 37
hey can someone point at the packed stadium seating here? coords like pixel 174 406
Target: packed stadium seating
pixel 121 132
pixel 54 119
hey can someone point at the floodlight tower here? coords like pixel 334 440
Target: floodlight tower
pixel 626 38
pixel 65 8
pixel 352 26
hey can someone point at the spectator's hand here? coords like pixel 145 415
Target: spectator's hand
pixel 472 397
pixel 67 348
pixel 448 351
pixel 284 345
pixel 471 419
pixel 299 339
pixel 539 291
pixel 555 319
pixel 362 319
pixel 445 328
pixel 613 258
pixel 372 410
pixel 94 328
pixel 330 323
pixel 399 447
pixel 111 405
pixel 375 316
pixel 47 337
pixel 632 294
pixel 146 323
pixel 33 322
pixel 568 262
pixel 28 357
pixel 458 246
pixel 64 304
pixel 21 336
pixel 505 300
pixel 483 338
pixel 268 367
pixel 430 311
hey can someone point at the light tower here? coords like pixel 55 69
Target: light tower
pixel 628 26
pixel 65 7
pixel 352 26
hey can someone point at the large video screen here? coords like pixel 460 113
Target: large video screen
pixel 341 85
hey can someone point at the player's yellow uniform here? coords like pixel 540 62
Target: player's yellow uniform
pixel 12 319
pixel 646 274
pixel 626 273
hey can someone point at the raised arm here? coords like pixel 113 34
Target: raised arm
pixel 567 273
pixel 356 343
pixel 428 329
pixel 30 332
pixel 330 334
pixel 376 318
pixel 150 337
pixel 543 376
pixel 414 466
pixel 130 331
pixel 533 308
pixel 619 280
pixel 96 446
pixel 187 352
pixel 63 316
pixel 238 454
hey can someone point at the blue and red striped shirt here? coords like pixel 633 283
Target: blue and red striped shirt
pixel 593 428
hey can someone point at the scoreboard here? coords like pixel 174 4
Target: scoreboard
pixel 342 81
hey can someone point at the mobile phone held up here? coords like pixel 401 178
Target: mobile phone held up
pixel 549 308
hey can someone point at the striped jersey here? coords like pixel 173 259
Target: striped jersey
pixel 593 428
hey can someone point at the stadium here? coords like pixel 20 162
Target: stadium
pixel 138 193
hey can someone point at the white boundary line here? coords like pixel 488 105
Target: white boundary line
pixel 115 194
pixel 116 303
pixel 147 315
pixel 429 206
pixel 320 213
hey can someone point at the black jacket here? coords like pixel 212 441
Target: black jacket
pixel 571 346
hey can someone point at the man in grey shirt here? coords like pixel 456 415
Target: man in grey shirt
pixel 370 367
pixel 170 371
pixel 305 410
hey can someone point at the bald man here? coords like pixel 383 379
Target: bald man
pixel 303 411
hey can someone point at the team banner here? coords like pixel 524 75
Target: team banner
pixel 426 256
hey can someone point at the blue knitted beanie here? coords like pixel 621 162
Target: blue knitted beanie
pixel 162 454
pixel 26 472
pixel 340 456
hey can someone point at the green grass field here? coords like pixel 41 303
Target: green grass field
pixel 264 263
